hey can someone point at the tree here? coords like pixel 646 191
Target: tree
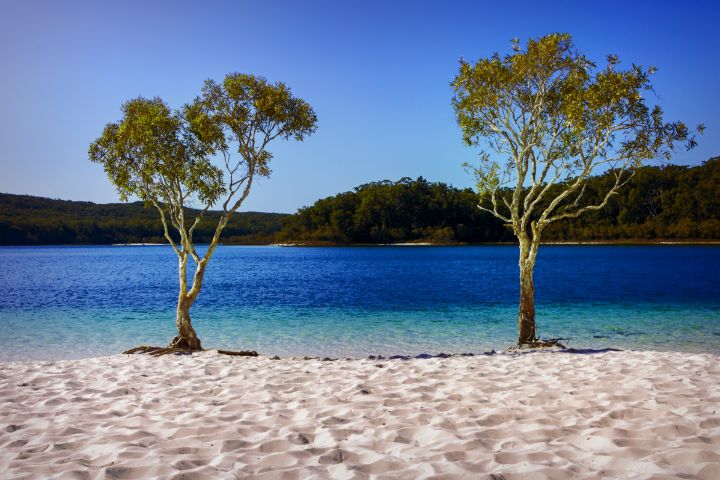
pixel 545 118
pixel 169 159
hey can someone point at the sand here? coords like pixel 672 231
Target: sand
pixel 537 415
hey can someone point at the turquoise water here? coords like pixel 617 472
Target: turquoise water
pixel 75 302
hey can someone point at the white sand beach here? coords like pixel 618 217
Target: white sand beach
pixel 536 415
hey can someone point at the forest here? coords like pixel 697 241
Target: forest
pixel 27 220
pixel 660 203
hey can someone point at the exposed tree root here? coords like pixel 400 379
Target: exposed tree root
pixel 142 349
pixel 160 351
pixel 191 343
pixel 175 350
pixel 538 343
pixel 241 353
pixel 180 345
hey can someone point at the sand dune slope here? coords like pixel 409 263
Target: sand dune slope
pixel 539 415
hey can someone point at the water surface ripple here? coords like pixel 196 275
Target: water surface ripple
pixel 74 302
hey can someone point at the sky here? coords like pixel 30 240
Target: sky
pixel 377 74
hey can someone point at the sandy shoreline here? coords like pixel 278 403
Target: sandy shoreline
pixel 539 415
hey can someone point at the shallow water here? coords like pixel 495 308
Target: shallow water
pixel 74 302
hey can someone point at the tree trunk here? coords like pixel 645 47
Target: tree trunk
pixel 526 317
pixel 186 338
pixel 526 314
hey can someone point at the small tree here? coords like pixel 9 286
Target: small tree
pixel 170 160
pixel 545 119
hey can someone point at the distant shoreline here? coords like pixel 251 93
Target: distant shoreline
pixel 399 244
pixel 458 244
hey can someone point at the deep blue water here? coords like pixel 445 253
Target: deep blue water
pixel 73 302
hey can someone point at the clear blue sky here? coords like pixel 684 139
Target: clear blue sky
pixel 377 74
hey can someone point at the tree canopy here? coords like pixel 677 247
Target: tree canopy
pixel 545 115
pixel 168 158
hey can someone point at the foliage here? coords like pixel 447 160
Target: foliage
pixel 26 220
pixel 386 212
pixel 165 157
pixel 669 203
pixel 659 203
pixel 546 115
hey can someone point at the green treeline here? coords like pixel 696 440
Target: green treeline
pixel 403 211
pixel 670 203
pixel 674 203
pixel 26 220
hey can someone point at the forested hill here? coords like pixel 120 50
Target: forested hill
pixel 670 203
pixel 27 220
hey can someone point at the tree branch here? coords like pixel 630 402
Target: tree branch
pixel 619 183
pixel 165 227
pixel 494 211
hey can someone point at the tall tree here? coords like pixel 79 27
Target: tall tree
pixel 207 152
pixel 545 118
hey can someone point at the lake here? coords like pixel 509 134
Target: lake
pixel 75 302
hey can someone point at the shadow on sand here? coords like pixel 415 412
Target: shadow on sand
pixel 582 351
